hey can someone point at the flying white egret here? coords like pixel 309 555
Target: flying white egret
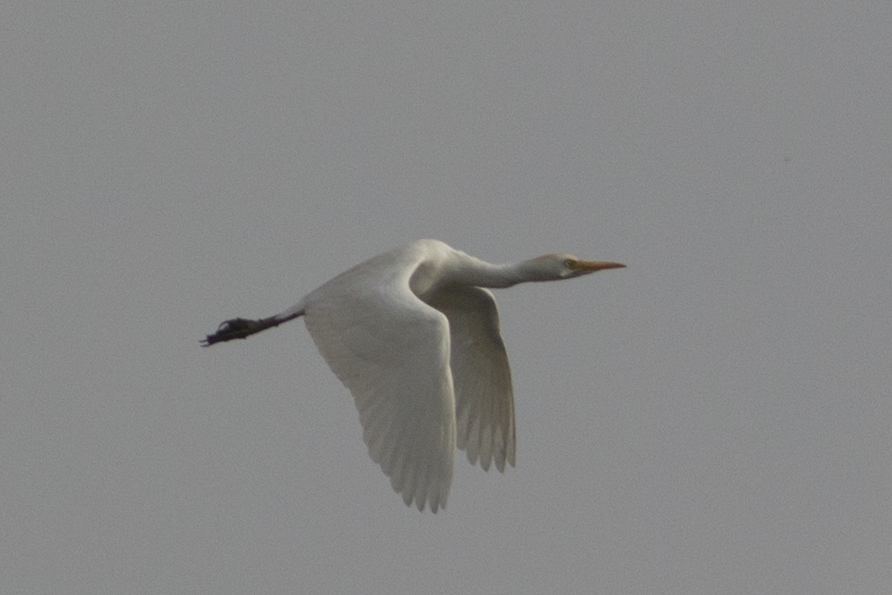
pixel 414 335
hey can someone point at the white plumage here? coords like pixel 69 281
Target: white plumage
pixel 414 336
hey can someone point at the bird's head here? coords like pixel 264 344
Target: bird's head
pixel 566 266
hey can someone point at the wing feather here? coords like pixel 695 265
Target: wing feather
pixel 482 377
pixel 392 352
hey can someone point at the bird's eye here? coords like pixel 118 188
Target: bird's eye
pixel 569 263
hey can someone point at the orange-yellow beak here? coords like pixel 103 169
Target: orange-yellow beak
pixel 594 265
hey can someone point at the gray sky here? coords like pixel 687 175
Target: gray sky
pixel 714 419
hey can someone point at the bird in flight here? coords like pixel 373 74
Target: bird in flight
pixel 413 333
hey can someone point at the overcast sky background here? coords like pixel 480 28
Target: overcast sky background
pixel 715 418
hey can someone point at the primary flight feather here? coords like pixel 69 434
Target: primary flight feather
pixel 413 333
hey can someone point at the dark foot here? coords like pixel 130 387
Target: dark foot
pixel 237 328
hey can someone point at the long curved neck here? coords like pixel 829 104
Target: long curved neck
pixel 470 271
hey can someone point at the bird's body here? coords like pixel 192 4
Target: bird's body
pixel 414 335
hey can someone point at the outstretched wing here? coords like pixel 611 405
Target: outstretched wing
pixel 483 394
pixel 392 351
